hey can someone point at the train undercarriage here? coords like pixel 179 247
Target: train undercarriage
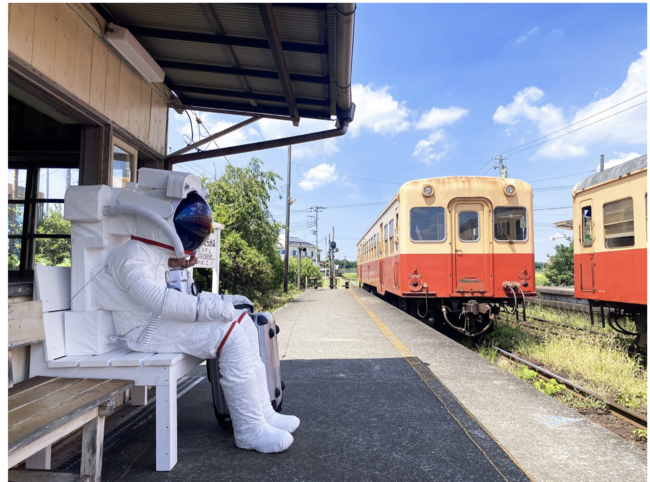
pixel 468 316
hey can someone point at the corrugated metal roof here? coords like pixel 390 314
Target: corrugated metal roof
pixel 224 47
pixel 615 172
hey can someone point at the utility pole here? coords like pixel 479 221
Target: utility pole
pixel 286 231
pixel 316 209
pixel 299 263
pixel 503 167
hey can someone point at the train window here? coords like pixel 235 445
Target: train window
pixel 510 224
pixel 468 226
pixel 386 240
pixel 396 231
pixel 392 236
pixel 428 224
pixel 587 237
pixel 619 223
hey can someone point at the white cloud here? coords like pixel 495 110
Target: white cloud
pixel 620 159
pixel 433 148
pixel 318 176
pixel 526 36
pixel 629 127
pixel 377 111
pixel 436 118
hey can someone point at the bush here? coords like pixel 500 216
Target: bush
pixel 307 268
pixel 560 271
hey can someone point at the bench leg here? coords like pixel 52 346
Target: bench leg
pixel 40 460
pixel 166 426
pixel 92 448
pixel 139 396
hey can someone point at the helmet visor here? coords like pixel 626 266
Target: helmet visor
pixel 193 221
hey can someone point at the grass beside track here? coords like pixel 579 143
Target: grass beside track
pixel 276 299
pixel 596 361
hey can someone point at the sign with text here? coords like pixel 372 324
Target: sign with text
pixel 207 253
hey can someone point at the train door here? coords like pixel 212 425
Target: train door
pixel 587 263
pixel 382 251
pixel 471 248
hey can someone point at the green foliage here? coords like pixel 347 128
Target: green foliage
pixel 307 268
pixel 508 337
pixel 526 374
pixel 345 264
pixel 551 387
pixel 488 351
pixel 243 269
pixel 53 251
pixel 539 265
pixel 640 434
pixel 560 272
pixel 239 200
pixel 626 400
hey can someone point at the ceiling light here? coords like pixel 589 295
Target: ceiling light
pixel 134 53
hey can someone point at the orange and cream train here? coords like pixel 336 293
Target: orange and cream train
pixel 456 249
pixel 610 228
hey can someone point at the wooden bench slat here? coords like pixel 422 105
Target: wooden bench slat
pixel 66 362
pixel 25 324
pixel 105 359
pixel 44 406
pixel 22 475
pixel 164 359
pixel 29 384
pixel 37 393
pixel 34 428
pixel 133 359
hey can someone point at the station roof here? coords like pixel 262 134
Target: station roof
pixel 289 61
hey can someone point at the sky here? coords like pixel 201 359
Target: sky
pixel 441 89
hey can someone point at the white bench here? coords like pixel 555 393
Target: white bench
pixel 145 369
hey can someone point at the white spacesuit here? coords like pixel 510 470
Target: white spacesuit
pixel 204 326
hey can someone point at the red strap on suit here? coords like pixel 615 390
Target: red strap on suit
pixel 232 325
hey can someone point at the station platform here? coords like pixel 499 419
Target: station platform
pixel 382 396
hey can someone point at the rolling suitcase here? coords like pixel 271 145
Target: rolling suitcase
pixel 267 331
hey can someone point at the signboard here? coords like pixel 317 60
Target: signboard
pixel 207 253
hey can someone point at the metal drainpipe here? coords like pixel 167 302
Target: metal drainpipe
pixel 344 42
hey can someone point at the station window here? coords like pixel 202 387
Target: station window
pixel 587 236
pixel 468 226
pixel 125 162
pixel 391 228
pixel 510 224
pixel 428 224
pixel 619 223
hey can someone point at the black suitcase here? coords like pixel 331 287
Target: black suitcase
pixel 267 331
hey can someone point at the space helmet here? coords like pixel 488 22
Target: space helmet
pixel 193 221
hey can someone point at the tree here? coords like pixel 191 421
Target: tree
pixel 307 268
pixel 560 271
pixel 53 251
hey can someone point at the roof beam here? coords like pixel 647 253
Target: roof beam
pixel 216 69
pixel 213 19
pixel 224 40
pixel 215 136
pixel 247 110
pixel 247 95
pixel 273 35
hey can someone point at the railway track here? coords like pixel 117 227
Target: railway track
pixel 629 416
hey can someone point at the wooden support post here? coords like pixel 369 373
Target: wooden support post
pixel 92 448
pixel 139 396
pixel 40 460
pixel 166 440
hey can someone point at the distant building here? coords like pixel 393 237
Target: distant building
pixel 294 245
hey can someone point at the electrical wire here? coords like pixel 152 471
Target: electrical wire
pixel 562 177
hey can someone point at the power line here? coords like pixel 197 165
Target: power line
pixel 562 177
pixel 578 122
pixel 579 128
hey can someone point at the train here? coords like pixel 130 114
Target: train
pixel 453 250
pixel 610 232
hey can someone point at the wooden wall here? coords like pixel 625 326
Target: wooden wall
pixel 53 39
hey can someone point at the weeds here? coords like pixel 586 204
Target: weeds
pixel 276 299
pixel 526 374
pixel 641 435
pixel 551 388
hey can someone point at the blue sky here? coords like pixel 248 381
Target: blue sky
pixel 442 88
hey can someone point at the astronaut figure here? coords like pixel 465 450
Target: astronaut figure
pixel 204 326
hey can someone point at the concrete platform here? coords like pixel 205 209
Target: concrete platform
pixel 384 397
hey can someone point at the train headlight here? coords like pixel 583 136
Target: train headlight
pixel 427 191
pixel 509 190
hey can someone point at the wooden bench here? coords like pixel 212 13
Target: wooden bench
pixel 44 410
pixel 145 369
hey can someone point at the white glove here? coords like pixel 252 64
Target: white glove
pixel 238 300
pixel 211 307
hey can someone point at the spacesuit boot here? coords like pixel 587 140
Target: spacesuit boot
pixel 277 420
pixel 251 430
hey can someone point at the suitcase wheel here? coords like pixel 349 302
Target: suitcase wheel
pixel 223 420
pixel 277 330
pixel 282 385
pixel 277 393
pixel 271 332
